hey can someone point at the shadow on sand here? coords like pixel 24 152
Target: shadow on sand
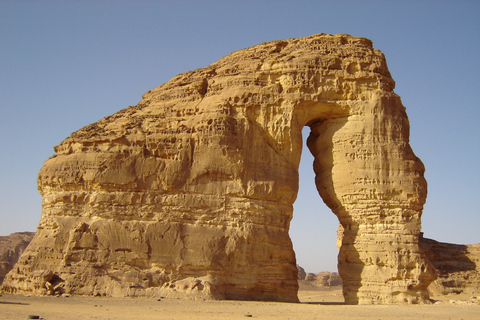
pixel 326 303
pixel 19 303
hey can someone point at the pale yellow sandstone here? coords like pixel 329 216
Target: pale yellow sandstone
pixel 190 192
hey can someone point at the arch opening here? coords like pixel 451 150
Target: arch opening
pixel 313 228
pixel 368 176
pixel 333 137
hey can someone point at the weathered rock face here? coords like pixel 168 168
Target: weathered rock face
pixel 190 192
pixel 11 247
pixel 301 273
pixel 458 266
pixel 324 279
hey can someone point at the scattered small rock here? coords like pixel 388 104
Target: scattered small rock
pixel 33 317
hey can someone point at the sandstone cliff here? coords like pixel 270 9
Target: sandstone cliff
pixel 301 273
pixel 11 247
pixel 324 279
pixel 458 266
pixel 190 192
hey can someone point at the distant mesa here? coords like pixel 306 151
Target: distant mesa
pixel 11 248
pixel 457 265
pixel 301 273
pixel 189 193
pixel 322 279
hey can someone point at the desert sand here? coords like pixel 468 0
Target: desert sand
pixel 315 304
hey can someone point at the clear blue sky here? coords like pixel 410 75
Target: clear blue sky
pixel 66 64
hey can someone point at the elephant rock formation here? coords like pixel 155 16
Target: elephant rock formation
pixel 190 192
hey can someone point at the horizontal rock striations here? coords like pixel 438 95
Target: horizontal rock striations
pixel 190 192
pixel 458 266
pixel 324 279
pixel 11 247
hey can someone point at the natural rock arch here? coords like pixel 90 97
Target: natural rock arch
pixel 190 192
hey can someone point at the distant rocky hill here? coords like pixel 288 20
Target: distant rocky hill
pixel 322 279
pixel 11 247
pixel 457 265
pixel 301 273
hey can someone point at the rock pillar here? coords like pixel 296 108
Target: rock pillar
pixel 368 175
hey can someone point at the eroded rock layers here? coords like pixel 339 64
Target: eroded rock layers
pixel 457 265
pixel 190 192
pixel 11 247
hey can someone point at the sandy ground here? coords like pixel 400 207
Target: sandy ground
pixel 315 304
